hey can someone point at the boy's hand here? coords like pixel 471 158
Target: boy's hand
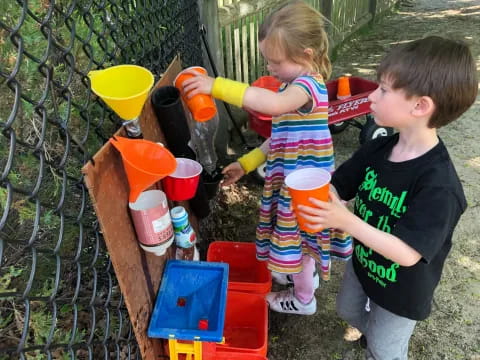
pixel 232 172
pixel 198 84
pixel 325 214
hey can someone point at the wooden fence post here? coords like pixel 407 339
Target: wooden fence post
pixel 326 9
pixel 373 9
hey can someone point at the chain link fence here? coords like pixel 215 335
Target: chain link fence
pixel 59 297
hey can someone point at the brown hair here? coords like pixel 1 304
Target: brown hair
pixel 440 68
pixel 295 27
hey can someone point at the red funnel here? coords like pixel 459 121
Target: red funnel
pixel 145 163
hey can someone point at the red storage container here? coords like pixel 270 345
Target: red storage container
pixel 238 356
pixel 246 325
pixel 246 273
pixel 267 82
pixel 261 123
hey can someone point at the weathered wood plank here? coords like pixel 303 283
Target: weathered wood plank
pixel 244 50
pixel 138 273
pixel 237 52
pixel 253 49
pixel 228 52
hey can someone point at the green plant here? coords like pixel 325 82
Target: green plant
pixel 6 279
pixel 4 322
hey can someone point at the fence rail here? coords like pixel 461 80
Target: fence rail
pixel 239 21
pixel 59 297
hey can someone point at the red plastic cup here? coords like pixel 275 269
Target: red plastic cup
pixel 201 106
pixel 183 182
pixel 304 184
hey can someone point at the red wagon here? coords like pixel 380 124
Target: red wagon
pixel 341 113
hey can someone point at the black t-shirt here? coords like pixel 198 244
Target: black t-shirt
pixel 420 201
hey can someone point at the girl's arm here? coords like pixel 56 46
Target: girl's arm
pixel 265 146
pixel 254 98
pixel 272 103
pixel 334 214
pixel 248 162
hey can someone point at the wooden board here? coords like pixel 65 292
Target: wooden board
pixel 138 272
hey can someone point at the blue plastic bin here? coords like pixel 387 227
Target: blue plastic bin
pixel 191 302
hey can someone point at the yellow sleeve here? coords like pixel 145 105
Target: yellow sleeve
pixel 230 91
pixel 252 160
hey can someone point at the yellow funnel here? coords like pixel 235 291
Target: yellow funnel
pixel 123 87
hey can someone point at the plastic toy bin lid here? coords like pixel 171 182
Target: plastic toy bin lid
pixel 191 301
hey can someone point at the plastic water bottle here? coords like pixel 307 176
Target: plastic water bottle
pixel 185 237
pixel 203 140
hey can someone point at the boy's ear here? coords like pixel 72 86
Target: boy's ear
pixel 424 106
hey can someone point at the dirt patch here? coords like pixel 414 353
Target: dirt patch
pixel 452 331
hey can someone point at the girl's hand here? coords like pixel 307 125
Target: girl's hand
pixel 324 214
pixel 198 84
pixel 233 172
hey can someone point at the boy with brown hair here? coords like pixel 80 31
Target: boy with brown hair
pixel 408 197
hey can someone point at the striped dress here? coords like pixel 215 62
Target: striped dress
pixel 299 139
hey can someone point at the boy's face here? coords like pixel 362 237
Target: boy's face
pixel 391 107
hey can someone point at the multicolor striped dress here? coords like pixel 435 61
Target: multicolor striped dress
pixel 299 139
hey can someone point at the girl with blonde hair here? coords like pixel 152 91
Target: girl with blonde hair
pixel 294 43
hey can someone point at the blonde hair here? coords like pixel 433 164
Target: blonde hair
pixel 293 28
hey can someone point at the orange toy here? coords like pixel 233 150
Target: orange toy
pixel 343 89
pixel 145 162
pixel 201 106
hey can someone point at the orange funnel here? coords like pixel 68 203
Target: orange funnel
pixel 145 163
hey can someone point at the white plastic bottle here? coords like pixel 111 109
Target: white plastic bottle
pixel 185 237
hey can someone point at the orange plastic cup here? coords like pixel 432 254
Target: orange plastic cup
pixel 304 184
pixel 201 106
pixel 343 88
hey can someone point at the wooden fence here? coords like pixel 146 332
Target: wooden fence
pixel 239 20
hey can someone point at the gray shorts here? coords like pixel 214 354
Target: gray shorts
pixel 387 334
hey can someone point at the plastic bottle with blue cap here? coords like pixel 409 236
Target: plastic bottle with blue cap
pixel 185 237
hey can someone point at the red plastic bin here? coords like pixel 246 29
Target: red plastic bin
pixel 246 273
pixel 238 356
pixel 246 325
pixel 261 123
